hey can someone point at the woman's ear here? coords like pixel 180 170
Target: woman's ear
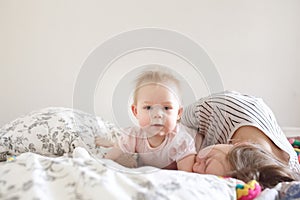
pixel 134 110
pixel 180 111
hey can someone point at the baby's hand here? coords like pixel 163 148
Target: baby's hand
pixel 103 142
pixel 127 160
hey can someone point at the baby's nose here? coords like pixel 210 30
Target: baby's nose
pixel 158 113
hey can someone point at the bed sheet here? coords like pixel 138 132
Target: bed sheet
pixel 32 176
pixel 38 138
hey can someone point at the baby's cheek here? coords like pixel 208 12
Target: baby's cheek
pixel 144 122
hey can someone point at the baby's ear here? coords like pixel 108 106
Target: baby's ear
pixel 180 111
pixel 134 109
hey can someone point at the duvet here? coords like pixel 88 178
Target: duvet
pixel 38 162
pixel 32 176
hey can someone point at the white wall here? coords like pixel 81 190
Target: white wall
pixel 254 44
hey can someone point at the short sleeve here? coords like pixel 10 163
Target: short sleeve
pixel 127 140
pixel 183 145
pixel 189 118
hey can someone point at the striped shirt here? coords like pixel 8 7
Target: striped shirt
pixel 218 116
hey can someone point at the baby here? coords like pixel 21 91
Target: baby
pixel 160 140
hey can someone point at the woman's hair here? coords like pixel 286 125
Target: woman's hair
pixel 160 76
pixel 252 162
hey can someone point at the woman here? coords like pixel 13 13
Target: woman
pixel 239 137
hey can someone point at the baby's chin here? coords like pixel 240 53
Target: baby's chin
pixel 153 130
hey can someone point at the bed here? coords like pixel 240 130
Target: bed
pixel 38 162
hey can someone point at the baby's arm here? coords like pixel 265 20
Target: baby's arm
pixel 125 159
pixel 103 142
pixel 186 164
pixel 191 143
pixel 114 153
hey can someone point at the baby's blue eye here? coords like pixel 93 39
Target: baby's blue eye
pixel 147 107
pixel 168 107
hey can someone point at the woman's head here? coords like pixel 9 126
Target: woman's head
pixel 247 161
pixel 213 160
pixel 156 101
pixel 251 161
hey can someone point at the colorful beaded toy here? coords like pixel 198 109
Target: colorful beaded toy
pixel 248 191
pixel 11 158
pixel 296 145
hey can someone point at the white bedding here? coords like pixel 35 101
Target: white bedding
pixel 32 176
pixel 40 171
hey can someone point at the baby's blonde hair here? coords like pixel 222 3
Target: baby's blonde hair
pixel 160 76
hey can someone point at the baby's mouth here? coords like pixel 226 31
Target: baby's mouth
pixel 157 125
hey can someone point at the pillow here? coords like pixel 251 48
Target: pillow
pixel 55 131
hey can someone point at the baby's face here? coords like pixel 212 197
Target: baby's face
pixel 213 160
pixel 157 108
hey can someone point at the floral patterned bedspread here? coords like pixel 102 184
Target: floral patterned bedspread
pixel 42 140
pixel 32 176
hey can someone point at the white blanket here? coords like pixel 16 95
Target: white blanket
pixel 32 176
